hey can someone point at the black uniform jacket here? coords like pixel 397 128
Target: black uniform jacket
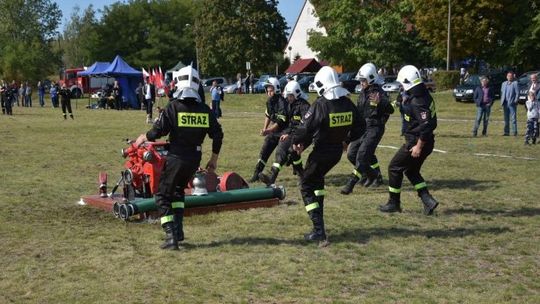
pixel 375 114
pixel 330 123
pixel 295 112
pixel 276 111
pixel 420 115
pixel 187 122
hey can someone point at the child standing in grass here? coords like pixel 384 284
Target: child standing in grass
pixel 533 109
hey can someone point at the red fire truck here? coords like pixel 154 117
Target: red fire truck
pixel 80 85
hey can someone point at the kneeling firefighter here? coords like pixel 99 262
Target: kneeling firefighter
pixel 420 121
pixel 375 107
pixel 187 121
pixel 332 120
pixel 297 107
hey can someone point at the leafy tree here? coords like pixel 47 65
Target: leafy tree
pixel 483 29
pixel 229 33
pixel 374 31
pixel 146 33
pixel 80 36
pixel 27 32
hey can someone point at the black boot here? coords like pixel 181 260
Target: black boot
pixel 269 179
pixel 179 227
pixel 391 206
pixel 371 179
pixel 348 188
pixel 258 169
pixel 377 181
pixel 429 203
pixel 170 242
pixel 318 233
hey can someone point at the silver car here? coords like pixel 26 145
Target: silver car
pixel 390 84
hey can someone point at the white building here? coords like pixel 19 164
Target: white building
pixel 307 21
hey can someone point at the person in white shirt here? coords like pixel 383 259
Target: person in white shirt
pixel 533 109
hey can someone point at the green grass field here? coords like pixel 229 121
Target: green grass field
pixel 482 246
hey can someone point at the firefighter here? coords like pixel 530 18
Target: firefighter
pixel 187 121
pixel 374 106
pixel 274 123
pixel 421 119
pixel 330 122
pixel 297 107
pixel 65 101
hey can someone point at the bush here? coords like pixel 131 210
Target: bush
pixel 446 80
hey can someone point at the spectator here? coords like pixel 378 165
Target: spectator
pixel 149 92
pixel 533 109
pixel 483 97
pixel 15 93
pixel 22 94
pixel 139 93
pixel 247 83
pixel 252 81
pixel 509 98
pixel 462 72
pixel 117 95
pixel 534 86
pixel 54 94
pixel 41 93
pixel 28 95
pixel 216 92
pixel 239 83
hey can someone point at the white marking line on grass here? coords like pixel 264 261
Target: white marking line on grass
pixel 475 154
pixel 504 156
pixel 396 148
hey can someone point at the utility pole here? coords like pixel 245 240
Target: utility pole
pixel 448 39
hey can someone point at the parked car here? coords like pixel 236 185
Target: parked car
pixel 390 84
pixel 233 88
pixel 305 82
pixel 464 92
pixel 207 83
pixel 348 81
pixel 523 83
pixel 258 87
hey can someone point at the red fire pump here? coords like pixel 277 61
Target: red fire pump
pixel 143 168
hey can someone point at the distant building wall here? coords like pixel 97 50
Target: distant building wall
pixel 297 45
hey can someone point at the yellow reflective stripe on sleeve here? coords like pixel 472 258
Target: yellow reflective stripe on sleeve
pixel 394 190
pixel 373 104
pixel 321 192
pixel 281 117
pixel 433 108
pixel 277 166
pixel 297 162
pixel 266 112
pixel 312 206
pixel 375 166
pixel 340 119
pixel 167 219
pixel 358 174
pixel 407 117
pixel 420 186
pixel 177 205
pixel 193 120
pixel 296 117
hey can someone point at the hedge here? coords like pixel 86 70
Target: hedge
pixel 446 80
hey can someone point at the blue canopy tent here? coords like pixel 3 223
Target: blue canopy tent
pixel 96 68
pixel 127 77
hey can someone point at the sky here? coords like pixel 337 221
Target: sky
pixel 288 8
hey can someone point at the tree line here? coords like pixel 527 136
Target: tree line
pixel 223 35
pixel 393 32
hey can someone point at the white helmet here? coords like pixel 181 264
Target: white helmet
pixel 409 77
pixel 369 72
pixel 274 82
pixel 328 85
pixel 293 88
pixel 187 83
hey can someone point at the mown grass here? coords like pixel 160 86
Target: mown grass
pixel 482 246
